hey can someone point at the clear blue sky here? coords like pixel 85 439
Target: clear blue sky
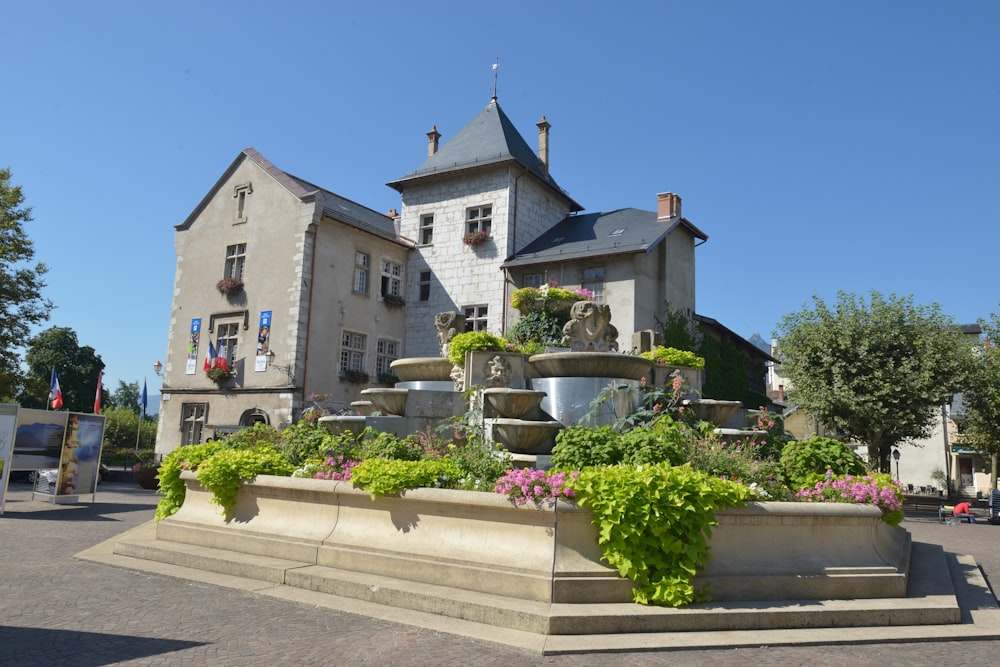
pixel 821 145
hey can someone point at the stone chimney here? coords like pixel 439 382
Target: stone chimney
pixel 668 205
pixel 432 140
pixel 543 144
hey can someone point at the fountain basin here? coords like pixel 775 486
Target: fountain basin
pixel 520 436
pixel 422 368
pixel 363 408
pixel 713 411
pixel 343 423
pixel 591 364
pixel 513 403
pixel 387 401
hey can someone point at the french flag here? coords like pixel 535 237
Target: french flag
pixel 55 393
pixel 209 357
pixel 221 361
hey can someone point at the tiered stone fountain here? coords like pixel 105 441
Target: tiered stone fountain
pixel 526 401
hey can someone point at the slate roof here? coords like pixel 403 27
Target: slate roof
pixel 334 205
pixel 626 230
pixel 489 138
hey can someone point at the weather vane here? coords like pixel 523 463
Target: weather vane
pixel 496 66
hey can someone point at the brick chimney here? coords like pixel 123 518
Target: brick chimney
pixel 668 205
pixel 432 140
pixel 543 144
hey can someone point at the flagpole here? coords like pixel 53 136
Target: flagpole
pixel 142 416
pixel 138 430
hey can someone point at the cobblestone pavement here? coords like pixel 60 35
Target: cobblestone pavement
pixel 55 610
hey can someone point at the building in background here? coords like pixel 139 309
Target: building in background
pixel 323 293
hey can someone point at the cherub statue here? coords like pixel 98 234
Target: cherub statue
pixel 589 328
pixel 447 325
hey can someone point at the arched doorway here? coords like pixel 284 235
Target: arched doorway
pixel 254 416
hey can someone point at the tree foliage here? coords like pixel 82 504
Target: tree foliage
pixel 21 302
pixel 122 429
pixel 127 395
pixel 981 398
pixel 77 367
pixel 873 370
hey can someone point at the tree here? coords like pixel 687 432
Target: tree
pixel 875 371
pixel 122 430
pixel 21 302
pixel 127 395
pixel 981 398
pixel 78 368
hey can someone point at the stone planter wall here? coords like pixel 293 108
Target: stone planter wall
pixel 483 543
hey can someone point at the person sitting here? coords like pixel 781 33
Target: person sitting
pixel 962 511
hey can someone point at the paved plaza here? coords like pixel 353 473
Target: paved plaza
pixel 58 610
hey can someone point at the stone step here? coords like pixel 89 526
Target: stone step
pixel 928 606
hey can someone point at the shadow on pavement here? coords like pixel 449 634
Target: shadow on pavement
pixel 40 646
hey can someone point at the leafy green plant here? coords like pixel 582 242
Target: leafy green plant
pixel 653 524
pixel 304 440
pixel 223 472
pixel 549 297
pixel 383 477
pixel 387 446
pixel 473 340
pixel 172 487
pixel 579 447
pixel 801 458
pixel 538 327
pixel 671 356
pixel 219 376
pixel 355 377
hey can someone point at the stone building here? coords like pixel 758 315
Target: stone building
pixel 334 291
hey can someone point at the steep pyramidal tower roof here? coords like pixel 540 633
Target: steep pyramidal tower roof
pixel 489 138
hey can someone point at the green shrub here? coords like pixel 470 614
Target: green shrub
pixel 653 524
pixel 172 487
pixel 538 327
pixel 387 446
pixel 223 472
pixel 579 447
pixel 802 458
pixel 671 356
pixel 382 477
pixel 472 340
pixel 305 440
pixel 662 441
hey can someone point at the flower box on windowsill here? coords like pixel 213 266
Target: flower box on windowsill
pixel 219 376
pixel 393 301
pixel 475 239
pixel 229 286
pixel 355 377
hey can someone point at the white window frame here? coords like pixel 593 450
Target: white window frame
pixel 592 278
pixel 392 278
pixel 353 346
pixel 236 261
pixel 426 234
pixel 230 333
pixel 193 417
pixel 362 266
pixel 479 219
pixel 531 280
pixel 386 352
pixel 476 317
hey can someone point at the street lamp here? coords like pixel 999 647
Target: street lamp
pixel 895 455
pixel 158 369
